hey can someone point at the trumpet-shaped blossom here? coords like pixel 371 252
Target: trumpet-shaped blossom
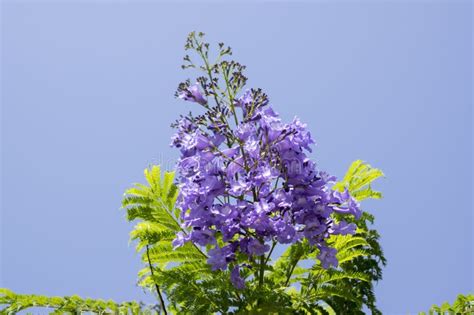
pixel 236 279
pixel 192 94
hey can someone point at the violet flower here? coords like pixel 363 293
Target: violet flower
pixel 236 279
pixel 193 94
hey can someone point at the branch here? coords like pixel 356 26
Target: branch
pixel 157 287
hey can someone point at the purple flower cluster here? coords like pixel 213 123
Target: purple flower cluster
pixel 249 184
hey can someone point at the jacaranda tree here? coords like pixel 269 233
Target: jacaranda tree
pixel 245 190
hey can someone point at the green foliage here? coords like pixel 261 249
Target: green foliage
pixel 11 303
pixel 358 181
pixel 464 304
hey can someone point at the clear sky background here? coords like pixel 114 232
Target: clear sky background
pixel 87 100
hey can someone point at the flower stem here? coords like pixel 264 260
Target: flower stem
pixel 270 253
pixel 290 273
pixel 262 271
pixel 157 287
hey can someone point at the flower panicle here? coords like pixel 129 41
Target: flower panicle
pixel 245 177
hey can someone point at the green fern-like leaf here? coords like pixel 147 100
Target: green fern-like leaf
pixel 12 303
pixel 464 304
pixel 358 180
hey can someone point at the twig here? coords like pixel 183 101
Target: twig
pixel 157 287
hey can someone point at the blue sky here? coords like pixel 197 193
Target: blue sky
pixel 87 100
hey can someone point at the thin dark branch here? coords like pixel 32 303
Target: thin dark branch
pixel 157 287
pixel 270 253
pixel 291 272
